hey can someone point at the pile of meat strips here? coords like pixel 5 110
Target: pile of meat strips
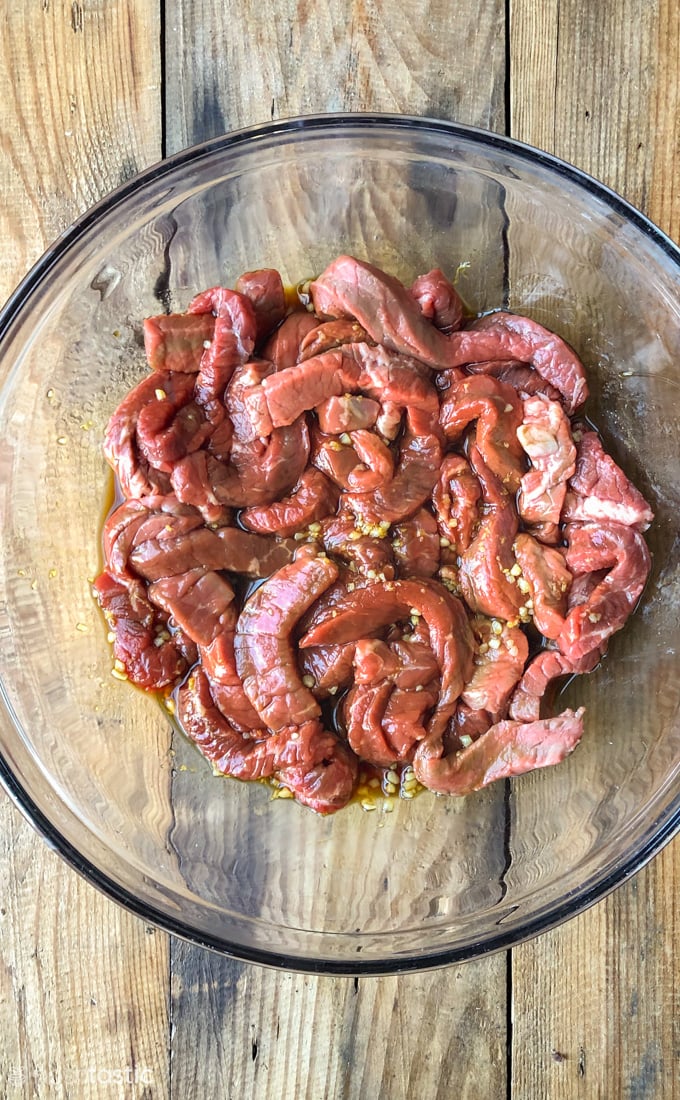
pixel 363 532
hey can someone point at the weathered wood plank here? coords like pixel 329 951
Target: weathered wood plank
pixel 274 60
pixel 83 985
pixel 597 85
pixel 237 1030
pixel 596 1002
pixel 245 1031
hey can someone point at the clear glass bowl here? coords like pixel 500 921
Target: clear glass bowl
pixel 97 766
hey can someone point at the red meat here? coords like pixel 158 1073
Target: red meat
pixel 620 550
pixel 285 515
pixel 545 435
pixel 265 657
pixel 331 334
pixel 501 654
pixel 367 609
pixel 312 498
pixel 266 294
pixel 176 341
pixel 508 748
pixel 347 413
pixel 455 498
pixel 283 346
pixel 599 491
pixel 485 567
pixel 439 300
pixel 148 654
pixel 382 306
pixel 546 666
pixel 136 475
pixel 497 411
pixel 312 763
pixel 508 336
pixel 415 543
pixel 548 580
pixel 232 344
pixel 520 376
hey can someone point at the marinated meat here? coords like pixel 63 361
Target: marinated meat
pixel 241 393
pixel 623 552
pixel 218 660
pixel 375 466
pixel 333 457
pixel 465 727
pixel 258 472
pixel 414 478
pixel 497 411
pixel 389 420
pixel 486 578
pixel 369 553
pixel 137 477
pixel 329 666
pixel 545 435
pixel 501 655
pixel 347 413
pixel 171 427
pixel 311 763
pixel 313 498
pixel 144 651
pixel 415 544
pixel 343 531
pixel 354 368
pixel 285 396
pixel 382 305
pixel 283 346
pixel 158 537
pixel 395 687
pixel 455 498
pixel 196 600
pixel 232 344
pixel 265 291
pixel 387 311
pixel 520 376
pixel 365 610
pixel 547 581
pixel 508 748
pixel 265 657
pixel 439 300
pixel 508 336
pixel 599 491
pixel 546 666
pixel 331 334
pixel 176 341
pixel 166 553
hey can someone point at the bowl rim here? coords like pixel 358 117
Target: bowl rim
pixel 665 827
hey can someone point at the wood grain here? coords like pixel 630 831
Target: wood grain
pixel 244 1031
pixel 83 985
pixel 591 83
pixel 596 1003
pixel 239 1031
pixel 274 60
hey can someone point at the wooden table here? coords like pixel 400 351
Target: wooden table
pixel 93 1003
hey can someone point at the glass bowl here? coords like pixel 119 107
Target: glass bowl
pixel 97 766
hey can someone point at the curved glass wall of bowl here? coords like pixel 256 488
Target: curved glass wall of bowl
pixel 99 767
